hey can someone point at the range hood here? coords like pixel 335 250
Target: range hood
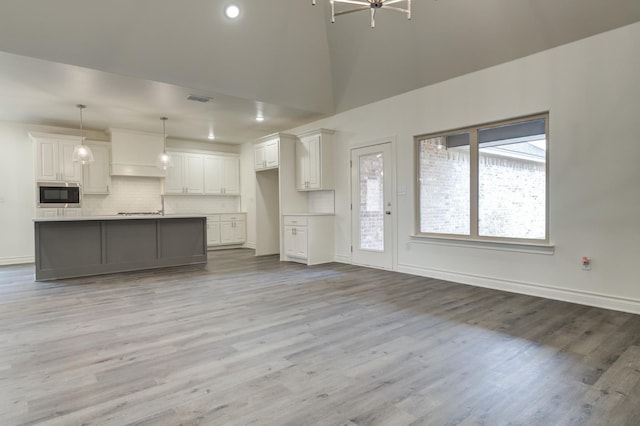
pixel 134 153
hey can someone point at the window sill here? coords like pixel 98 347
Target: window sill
pixel 545 249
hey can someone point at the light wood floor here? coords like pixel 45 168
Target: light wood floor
pixel 250 340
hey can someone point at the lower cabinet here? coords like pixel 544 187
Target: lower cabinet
pixel 213 230
pixel 58 212
pixel 309 238
pixel 226 229
pixel 296 242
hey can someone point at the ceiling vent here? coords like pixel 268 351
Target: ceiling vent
pixel 195 98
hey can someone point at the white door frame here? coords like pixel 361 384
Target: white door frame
pixel 394 215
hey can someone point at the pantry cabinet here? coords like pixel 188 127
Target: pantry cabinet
pixel 314 161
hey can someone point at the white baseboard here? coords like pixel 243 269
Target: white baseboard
pixel 343 259
pixel 250 245
pixel 549 292
pixel 19 260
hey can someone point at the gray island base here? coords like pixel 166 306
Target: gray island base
pixel 77 247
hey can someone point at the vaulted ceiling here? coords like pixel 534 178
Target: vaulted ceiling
pixel 133 61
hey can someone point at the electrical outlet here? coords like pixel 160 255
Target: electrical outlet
pixel 586 263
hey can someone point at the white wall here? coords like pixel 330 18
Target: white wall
pixel 17 194
pixel 592 90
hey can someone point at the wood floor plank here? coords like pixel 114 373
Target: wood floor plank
pixel 247 340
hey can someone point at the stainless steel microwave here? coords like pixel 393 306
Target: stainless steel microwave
pixel 58 194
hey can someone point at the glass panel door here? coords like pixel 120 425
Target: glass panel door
pixel 371 206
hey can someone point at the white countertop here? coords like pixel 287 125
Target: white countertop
pixel 117 217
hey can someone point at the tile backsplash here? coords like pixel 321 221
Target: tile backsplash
pixel 321 201
pixel 140 194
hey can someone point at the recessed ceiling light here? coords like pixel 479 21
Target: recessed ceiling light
pixel 232 11
pixel 211 136
pixel 260 118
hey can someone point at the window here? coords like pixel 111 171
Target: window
pixel 485 182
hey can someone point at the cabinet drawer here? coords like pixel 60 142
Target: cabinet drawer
pixel 295 221
pixel 232 217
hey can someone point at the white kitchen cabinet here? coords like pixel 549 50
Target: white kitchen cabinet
pixel 309 238
pixel 193 174
pixel 58 212
pixel 296 242
pixel 233 228
pixel 202 174
pixel 174 180
pixel 186 174
pixel 314 161
pixel 221 175
pixel 53 158
pixel 266 154
pixel 226 229
pixel 213 230
pixel 95 176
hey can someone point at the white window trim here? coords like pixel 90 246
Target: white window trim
pixel 519 247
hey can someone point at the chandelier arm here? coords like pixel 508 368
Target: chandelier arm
pixel 373 17
pixel 358 2
pixel 398 9
pixel 357 9
pixel 387 2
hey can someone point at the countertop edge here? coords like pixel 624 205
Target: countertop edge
pixel 94 218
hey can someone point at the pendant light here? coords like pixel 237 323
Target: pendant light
pixel 164 160
pixel 81 153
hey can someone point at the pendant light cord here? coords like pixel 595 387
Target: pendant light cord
pixel 164 135
pixel 81 107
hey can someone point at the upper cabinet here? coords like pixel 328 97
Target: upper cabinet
pixel 266 154
pixel 202 174
pixel 221 175
pixel 53 158
pixel 95 176
pixel 314 160
pixel 186 175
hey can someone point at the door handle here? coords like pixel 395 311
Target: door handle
pixel 388 212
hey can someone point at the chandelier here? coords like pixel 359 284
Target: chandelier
pixel 372 5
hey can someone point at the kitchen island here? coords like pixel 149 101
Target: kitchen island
pixel 68 247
